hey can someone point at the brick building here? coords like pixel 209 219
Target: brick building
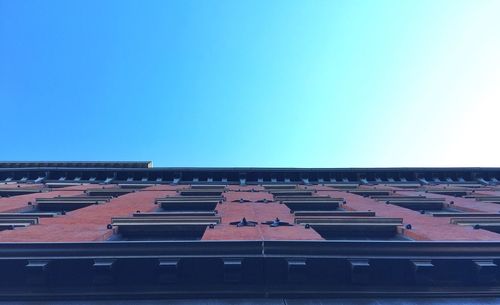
pixel 127 230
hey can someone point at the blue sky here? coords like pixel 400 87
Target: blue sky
pixel 252 83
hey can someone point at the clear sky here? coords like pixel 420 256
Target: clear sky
pixel 252 83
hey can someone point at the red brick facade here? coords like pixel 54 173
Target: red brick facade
pixel 90 223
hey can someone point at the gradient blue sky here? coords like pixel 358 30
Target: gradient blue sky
pixel 252 83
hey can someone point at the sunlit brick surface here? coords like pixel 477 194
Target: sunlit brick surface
pixel 255 200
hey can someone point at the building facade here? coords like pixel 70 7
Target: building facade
pixel 129 230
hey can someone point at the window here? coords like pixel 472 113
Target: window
pixel 406 185
pixel 19 221
pixel 182 214
pixel 354 228
pixel 366 193
pixel 282 190
pixel 189 203
pixel 161 227
pixel 419 204
pixel 486 223
pixel 463 214
pixel 450 192
pixel 296 192
pixel 279 186
pixel 312 203
pixel 134 185
pixel 220 187
pixel 66 204
pixel 26 214
pixel 416 203
pixel 333 213
pixel 199 198
pixel 469 185
pixel 199 190
pixel 343 186
pixel 61 184
pixel 113 192
pixel 18 191
pixel 485 198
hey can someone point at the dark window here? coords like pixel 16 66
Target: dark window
pixel 367 193
pixel 11 221
pixel 334 213
pixel 416 203
pixel 451 192
pixel 161 227
pixel 343 186
pixel 485 198
pixel 220 187
pixel 171 214
pixel 312 203
pixel 464 214
pixel 113 192
pixel 486 223
pixel 189 203
pixel 354 228
pixel 18 191
pixel 134 185
pixel 279 186
pixel 66 204
pixel 202 192
pixel 287 193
